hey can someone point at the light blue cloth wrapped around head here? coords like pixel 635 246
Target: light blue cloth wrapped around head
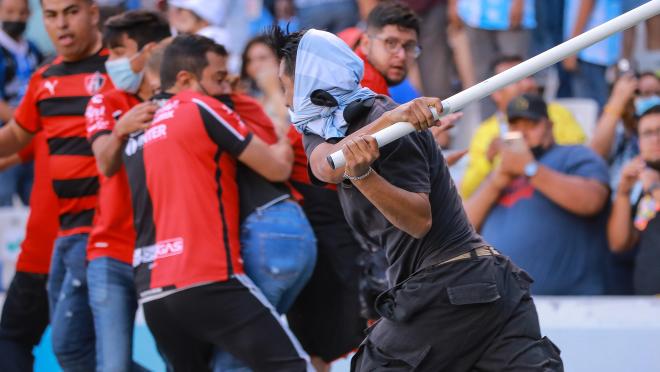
pixel 325 62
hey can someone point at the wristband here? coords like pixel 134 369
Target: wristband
pixel 357 178
pixel 610 109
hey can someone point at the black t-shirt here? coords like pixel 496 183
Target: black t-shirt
pixel 647 262
pixel 413 163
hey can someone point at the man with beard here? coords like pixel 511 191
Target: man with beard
pixel 389 46
pixel 634 219
pixel 544 205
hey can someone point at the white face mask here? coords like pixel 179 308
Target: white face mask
pixel 122 75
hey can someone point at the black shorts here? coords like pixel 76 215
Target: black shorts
pixel 24 319
pixel 233 315
pixel 326 315
pixel 470 315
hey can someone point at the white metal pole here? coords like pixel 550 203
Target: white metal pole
pixel 518 72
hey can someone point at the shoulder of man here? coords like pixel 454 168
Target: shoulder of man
pixel 381 105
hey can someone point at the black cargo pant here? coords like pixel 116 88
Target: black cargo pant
pixel 24 319
pixel 470 315
pixel 233 315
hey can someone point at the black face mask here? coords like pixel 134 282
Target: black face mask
pixel 14 28
pixel 538 151
pixel 226 99
pixel 655 165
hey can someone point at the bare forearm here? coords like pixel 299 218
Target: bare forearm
pixel 621 234
pixel 282 160
pixel 408 211
pixel 6 112
pixel 479 205
pixel 584 11
pixel 9 161
pixel 575 194
pixel 318 159
pixel 604 135
pixel 13 138
pixel 107 150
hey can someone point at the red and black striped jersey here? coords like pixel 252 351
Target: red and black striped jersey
pixel 55 102
pixel 42 224
pixel 190 152
pixel 113 234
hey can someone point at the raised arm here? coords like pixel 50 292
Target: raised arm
pixel 415 112
pixel 621 234
pixel 623 91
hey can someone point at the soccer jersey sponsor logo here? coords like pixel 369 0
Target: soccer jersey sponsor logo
pixel 162 249
pixel 166 111
pixel 134 143
pixel 96 115
pixel 169 248
pixel 155 133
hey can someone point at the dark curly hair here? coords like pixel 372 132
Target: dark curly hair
pixel 285 46
pixel 393 13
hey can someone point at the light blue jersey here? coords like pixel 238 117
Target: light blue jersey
pixel 606 52
pixel 494 14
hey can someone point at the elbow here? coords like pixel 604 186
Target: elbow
pixel 106 169
pixel 599 150
pixel 280 172
pixel 618 237
pixel 618 244
pixel 422 229
pixel 595 204
pixel 323 172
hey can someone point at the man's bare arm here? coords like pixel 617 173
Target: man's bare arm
pixel 13 138
pixel 578 195
pixel 408 211
pixel 9 161
pixel 415 112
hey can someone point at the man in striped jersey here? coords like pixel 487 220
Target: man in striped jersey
pixel 55 103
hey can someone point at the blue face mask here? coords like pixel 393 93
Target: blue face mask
pixel 644 103
pixel 123 76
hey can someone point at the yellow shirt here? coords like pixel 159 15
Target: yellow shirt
pixel 566 130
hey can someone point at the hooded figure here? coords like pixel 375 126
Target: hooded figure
pixel 327 79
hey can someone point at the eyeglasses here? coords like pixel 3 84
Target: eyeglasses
pixel 392 46
pixel 648 134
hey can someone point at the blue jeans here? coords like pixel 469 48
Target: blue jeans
pixel 589 82
pixel 16 180
pixel 113 301
pixel 278 248
pixel 71 320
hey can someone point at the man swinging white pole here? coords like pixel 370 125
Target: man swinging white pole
pixel 531 66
